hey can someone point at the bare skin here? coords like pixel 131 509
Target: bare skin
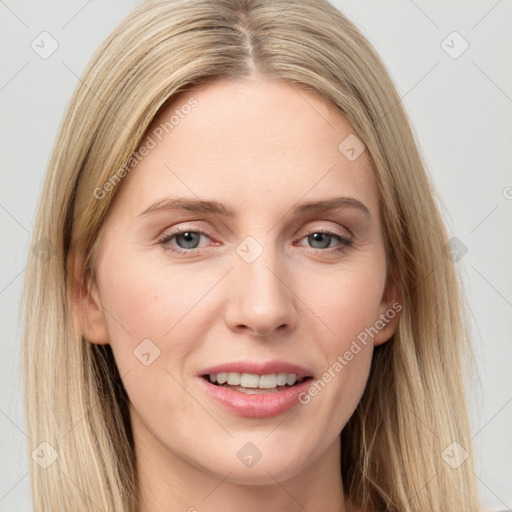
pixel 260 148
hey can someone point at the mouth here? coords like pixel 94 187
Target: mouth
pixel 252 383
pixel 256 389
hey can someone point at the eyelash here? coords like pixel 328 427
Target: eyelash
pixel 345 242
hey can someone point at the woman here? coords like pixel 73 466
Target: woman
pixel 249 301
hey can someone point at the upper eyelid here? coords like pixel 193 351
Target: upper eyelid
pixel 174 231
pixel 203 226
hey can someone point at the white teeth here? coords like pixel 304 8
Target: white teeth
pixel 253 381
pixel 290 380
pixel 281 379
pixel 249 380
pixel 233 379
pixel 268 381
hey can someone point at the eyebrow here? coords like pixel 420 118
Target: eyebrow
pixel 216 208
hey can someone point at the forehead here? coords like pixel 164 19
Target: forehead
pixel 261 141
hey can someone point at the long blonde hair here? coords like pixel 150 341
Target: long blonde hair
pixel 414 406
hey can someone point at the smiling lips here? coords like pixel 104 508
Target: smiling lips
pixel 256 390
pixel 253 383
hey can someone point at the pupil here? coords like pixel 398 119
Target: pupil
pixel 188 236
pixel 317 237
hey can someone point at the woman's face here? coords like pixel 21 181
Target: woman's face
pixel 213 261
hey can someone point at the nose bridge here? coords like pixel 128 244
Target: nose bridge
pixel 260 300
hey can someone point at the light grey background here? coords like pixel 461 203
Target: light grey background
pixel 461 111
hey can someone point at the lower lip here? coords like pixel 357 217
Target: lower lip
pixel 261 405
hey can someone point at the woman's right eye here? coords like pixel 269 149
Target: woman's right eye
pixel 186 240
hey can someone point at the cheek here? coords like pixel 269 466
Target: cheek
pixel 151 334
pixel 349 299
pixel 144 301
pixel 138 310
pixel 153 314
pixel 348 302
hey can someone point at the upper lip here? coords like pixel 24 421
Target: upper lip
pixel 259 368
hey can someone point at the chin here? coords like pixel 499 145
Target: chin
pixel 256 460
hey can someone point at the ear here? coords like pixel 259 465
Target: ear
pixel 390 308
pixel 85 304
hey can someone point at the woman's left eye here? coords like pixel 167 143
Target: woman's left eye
pixel 188 240
pixel 324 239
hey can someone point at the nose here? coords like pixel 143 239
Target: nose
pixel 261 300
